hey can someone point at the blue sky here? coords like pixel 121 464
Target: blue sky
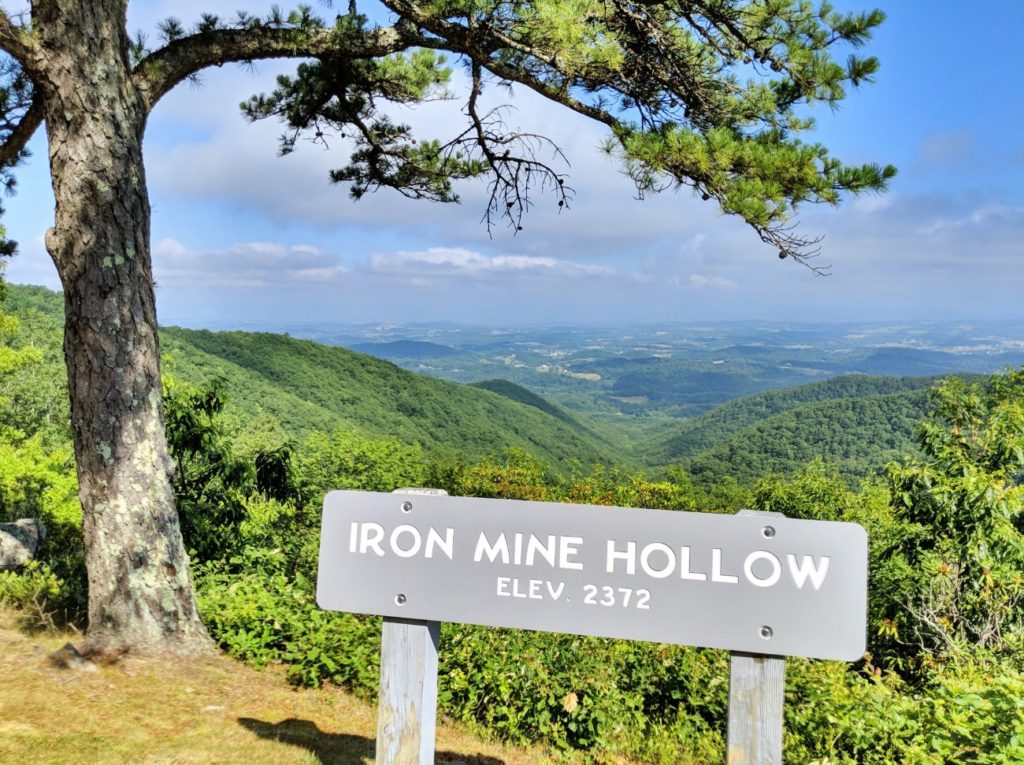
pixel 243 237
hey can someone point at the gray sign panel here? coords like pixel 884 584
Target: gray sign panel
pixel 758 583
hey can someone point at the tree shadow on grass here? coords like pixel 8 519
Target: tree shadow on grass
pixel 340 748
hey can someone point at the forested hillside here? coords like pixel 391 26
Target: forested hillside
pixel 305 387
pixel 337 387
pixel 856 422
pixel 857 436
pixel 525 396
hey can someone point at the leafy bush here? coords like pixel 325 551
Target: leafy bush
pixel 37 482
pixel 515 474
pixel 343 460
pixel 965 714
pixel 260 614
pixel 962 551
pixel 35 592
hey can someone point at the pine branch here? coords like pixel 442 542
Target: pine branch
pixel 13 40
pixel 158 72
pixel 14 144
pixel 663 75
pixel 480 43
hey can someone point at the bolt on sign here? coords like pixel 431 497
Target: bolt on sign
pixel 758 583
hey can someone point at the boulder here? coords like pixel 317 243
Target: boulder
pixel 19 541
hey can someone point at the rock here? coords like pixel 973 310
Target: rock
pixel 19 541
pixel 68 656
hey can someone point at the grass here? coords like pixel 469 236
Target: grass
pixel 164 712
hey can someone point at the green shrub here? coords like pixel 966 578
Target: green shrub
pixel 34 591
pixel 971 714
pixel 260 614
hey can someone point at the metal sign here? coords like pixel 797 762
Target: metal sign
pixel 758 583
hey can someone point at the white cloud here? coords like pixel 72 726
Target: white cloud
pixel 872 203
pixel 716 282
pixel 265 278
pixel 243 265
pixel 989 216
pixel 460 262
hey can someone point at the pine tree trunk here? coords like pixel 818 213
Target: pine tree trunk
pixel 140 590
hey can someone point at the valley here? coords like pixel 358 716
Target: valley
pixel 738 400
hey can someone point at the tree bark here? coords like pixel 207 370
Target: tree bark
pixel 140 591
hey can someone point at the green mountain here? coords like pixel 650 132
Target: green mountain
pixel 526 396
pixel 307 387
pixel 855 423
pixel 316 387
pixel 409 350
pixel 723 422
pixel 858 436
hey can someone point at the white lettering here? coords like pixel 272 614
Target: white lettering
pixel 370 535
pixel 503 587
pixel 446 545
pixel 396 535
pixel 808 568
pixel 352 536
pixel 500 547
pixel 716 568
pixel 534 545
pixel 555 592
pixel 757 581
pixel 628 555
pixel 535 589
pixel 684 567
pixel 569 547
pixel 645 560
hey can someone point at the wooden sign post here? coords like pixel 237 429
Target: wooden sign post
pixel 407 699
pixel 756 687
pixel 757 684
pixel 407 702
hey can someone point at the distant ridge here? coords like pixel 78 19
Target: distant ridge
pixel 857 422
pixel 721 423
pixel 856 436
pixel 306 386
pixel 309 386
pixel 413 350
pixel 525 396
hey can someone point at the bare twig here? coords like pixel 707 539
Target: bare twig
pixel 512 158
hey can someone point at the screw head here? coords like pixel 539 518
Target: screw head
pixel 766 632
pixel 768 532
pixel 400 599
pixel 407 507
